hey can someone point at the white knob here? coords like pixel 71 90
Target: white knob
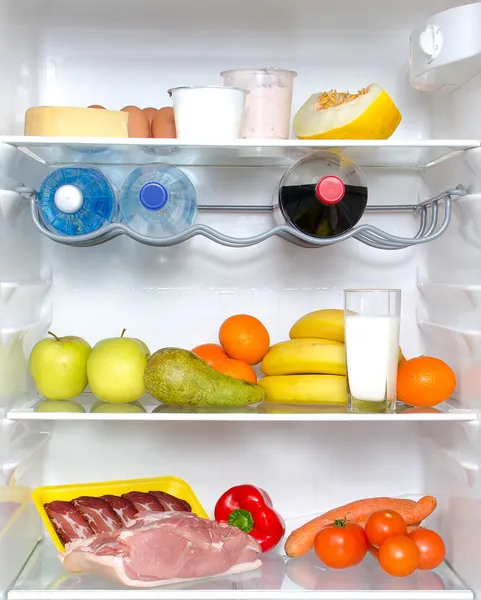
pixel 431 41
pixel 68 198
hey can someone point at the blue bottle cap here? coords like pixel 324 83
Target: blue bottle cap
pixel 153 195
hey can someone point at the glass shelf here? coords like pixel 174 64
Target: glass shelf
pixel 25 410
pixel 279 578
pixel 55 151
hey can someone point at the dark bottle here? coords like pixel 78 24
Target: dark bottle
pixel 322 195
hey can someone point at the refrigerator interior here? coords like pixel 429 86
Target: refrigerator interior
pixel 119 52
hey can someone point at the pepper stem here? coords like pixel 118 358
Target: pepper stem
pixel 242 519
pixel 53 335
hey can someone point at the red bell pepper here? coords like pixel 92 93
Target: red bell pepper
pixel 249 508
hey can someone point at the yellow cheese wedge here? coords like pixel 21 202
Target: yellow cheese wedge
pixel 76 122
pixel 368 115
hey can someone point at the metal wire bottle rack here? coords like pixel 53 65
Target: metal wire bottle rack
pixel 431 226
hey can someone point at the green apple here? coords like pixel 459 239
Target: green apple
pixel 108 407
pixel 144 347
pixel 59 406
pixel 59 366
pixel 115 369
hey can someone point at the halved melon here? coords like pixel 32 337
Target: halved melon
pixel 368 115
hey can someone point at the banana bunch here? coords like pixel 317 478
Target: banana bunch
pixel 310 368
pixel 327 324
pixel 305 389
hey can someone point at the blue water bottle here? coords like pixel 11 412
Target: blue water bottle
pixel 158 201
pixel 76 200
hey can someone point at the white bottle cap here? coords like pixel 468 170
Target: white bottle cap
pixel 68 198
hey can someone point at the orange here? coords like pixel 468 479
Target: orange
pixel 425 381
pixel 244 338
pixel 210 353
pixel 237 369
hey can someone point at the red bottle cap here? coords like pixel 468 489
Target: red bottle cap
pixel 330 189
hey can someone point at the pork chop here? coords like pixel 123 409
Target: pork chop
pixel 162 548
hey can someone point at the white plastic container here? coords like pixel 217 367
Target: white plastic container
pixel 208 113
pixel 268 105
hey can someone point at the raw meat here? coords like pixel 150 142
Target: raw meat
pixel 68 523
pixel 144 501
pixel 164 548
pixel 109 512
pixel 170 502
pixel 123 508
pixel 98 513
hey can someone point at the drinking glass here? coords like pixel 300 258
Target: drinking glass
pixel 371 322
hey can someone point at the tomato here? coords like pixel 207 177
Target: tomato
pixel 383 524
pixel 430 546
pixel 341 544
pixel 398 556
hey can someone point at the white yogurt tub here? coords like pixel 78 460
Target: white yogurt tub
pixel 268 106
pixel 208 113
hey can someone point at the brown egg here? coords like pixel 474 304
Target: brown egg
pixel 139 126
pixel 97 106
pixel 163 125
pixel 150 113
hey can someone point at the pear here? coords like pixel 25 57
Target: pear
pixel 180 378
pixel 59 366
pixel 116 368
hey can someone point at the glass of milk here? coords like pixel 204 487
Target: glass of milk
pixel 371 322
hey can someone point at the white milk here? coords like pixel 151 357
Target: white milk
pixel 372 345
pixel 208 114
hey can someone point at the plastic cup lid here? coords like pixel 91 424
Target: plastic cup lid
pixel 330 189
pixel 260 70
pixel 153 196
pixel 206 87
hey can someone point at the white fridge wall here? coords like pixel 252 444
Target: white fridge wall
pixel 457 114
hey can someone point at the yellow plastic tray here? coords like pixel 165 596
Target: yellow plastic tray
pixel 172 485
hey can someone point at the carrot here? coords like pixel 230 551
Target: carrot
pixel 412 528
pixel 301 540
